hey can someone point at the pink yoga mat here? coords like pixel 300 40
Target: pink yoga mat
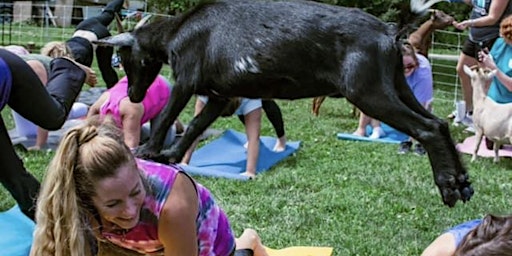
pixel 468 146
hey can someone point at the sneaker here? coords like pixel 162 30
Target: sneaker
pixel 419 150
pixel 470 129
pixel 467 120
pixel 452 115
pixel 377 133
pixel 405 147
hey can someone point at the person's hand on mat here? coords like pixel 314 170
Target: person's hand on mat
pixel 250 175
pixel 34 148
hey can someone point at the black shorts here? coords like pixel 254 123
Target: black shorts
pixel 471 48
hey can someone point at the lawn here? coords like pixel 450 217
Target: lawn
pixel 360 198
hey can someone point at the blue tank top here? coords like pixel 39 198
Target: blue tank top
pixel 461 230
pixel 501 52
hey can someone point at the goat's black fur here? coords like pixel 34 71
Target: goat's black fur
pixel 285 50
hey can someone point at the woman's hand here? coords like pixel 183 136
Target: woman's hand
pixel 462 25
pixel 486 59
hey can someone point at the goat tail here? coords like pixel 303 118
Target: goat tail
pixel 410 13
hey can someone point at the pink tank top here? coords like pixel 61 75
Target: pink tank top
pixel 156 97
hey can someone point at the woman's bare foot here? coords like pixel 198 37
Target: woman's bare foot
pixel 280 145
pixel 251 240
pixel 90 75
pixel 360 132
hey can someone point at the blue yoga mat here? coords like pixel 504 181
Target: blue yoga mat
pixel 392 135
pixel 16 233
pixel 226 156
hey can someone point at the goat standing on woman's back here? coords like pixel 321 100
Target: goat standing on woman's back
pixel 490 119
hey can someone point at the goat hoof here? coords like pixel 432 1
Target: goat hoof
pixel 453 192
pixel 160 158
pixel 166 157
pixel 145 152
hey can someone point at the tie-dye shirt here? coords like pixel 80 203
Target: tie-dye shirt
pixel 214 234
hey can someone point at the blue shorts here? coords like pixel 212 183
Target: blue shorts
pixel 246 105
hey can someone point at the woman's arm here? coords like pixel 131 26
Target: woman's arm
pixel 188 155
pixel 131 116
pixel 41 139
pixel 444 245
pixel 495 11
pixel 177 223
pixel 95 108
pixel 252 129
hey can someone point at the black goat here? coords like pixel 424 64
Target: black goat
pixel 285 50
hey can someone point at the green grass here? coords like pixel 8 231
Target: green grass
pixel 360 198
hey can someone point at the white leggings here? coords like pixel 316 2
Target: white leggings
pixel 25 128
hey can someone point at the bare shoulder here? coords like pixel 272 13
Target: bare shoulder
pixel 443 245
pixel 177 223
pixel 182 200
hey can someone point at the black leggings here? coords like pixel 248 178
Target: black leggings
pixel 82 51
pixel 274 115
pixel 47 107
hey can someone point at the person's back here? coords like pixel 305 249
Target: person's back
pixel 157 96
pixel 133 117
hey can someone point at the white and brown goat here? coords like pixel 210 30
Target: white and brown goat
pixel 490 119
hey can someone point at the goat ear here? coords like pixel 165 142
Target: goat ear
pixel 143 21
pixel 123 39
pixel 468 71
pixel 119 24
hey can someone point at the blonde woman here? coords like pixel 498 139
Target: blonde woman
pixel 81 48
pixel 94 185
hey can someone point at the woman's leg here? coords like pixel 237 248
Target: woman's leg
pixel 108 14
pixel 252 129
pixel 465 80
pixel 14 177
pixel 47 107
pixel 275 117
pixel 104 60
pixel 364 120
